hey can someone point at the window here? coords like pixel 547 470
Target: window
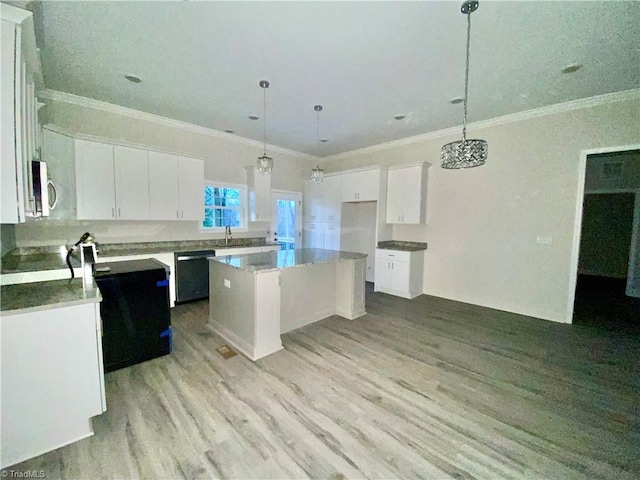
pixel 224 205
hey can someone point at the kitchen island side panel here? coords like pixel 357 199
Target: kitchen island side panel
pixel 232 308
pixel 309 295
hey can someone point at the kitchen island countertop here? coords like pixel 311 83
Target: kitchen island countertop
pixel 35 296
pixel 281 259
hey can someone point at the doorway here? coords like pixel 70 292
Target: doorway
pixel 286 219
pixel 607 281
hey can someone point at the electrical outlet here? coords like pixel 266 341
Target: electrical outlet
pixel 544 239
pixel 227 283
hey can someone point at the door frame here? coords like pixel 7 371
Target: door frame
pixel 296 196
pixel 577 223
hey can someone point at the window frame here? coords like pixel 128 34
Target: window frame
pixel 244 199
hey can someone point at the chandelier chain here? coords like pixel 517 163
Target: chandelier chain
pixel 466 79
pixel 264 116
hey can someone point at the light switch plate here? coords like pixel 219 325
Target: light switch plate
pixel 227 283
pixel 544 239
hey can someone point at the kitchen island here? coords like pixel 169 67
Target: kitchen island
pixel 255 298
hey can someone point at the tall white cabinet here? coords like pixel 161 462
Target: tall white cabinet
pixel 20 142
pixel 407 194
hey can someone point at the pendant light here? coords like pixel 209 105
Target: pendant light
pixel 473 152
pixel 265 163
pixel 317 174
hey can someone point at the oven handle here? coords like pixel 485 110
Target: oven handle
pixel 193 257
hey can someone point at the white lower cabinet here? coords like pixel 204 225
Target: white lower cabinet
pixel 399 273
pixel 52 379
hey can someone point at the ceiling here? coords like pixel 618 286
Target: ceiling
pixel 365 62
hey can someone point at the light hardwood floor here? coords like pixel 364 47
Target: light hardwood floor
pixel 424 388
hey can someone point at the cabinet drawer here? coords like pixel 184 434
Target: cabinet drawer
pixel 396 255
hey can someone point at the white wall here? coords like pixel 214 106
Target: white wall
pixel 225 160
pixel 483 223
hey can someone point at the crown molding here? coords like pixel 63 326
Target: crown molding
pixel 58 96
pixel 588 102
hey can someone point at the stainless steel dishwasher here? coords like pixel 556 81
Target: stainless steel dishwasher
pixel 192 275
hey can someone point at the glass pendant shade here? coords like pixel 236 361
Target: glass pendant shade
pixel 317 174
pixel 265 165
pixel 464 154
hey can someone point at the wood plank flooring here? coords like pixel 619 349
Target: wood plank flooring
pixel 425 388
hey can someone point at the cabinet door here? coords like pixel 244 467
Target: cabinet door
pixel 368 185
pixel 349 187
pixel 164 201
pixel 330 236
pixel 361 186
pixel 331 198
pixel 312 201
pixel 191 188
pixel 132 183
pixel 384 274
pixel 400 272
pixel 313 237
pixel 95 186
pixel 395 195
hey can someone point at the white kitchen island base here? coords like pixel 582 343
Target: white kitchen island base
pixel 255 298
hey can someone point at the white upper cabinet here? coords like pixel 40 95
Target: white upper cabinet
pixel 362 186
pixel 259 187
pixel 313 201
pixel 407 194
pixel 331 198
pixel 191 188
pixel 95 183
pixel 176 187
pixel 58 152
pixel 163 187
pixel 131 183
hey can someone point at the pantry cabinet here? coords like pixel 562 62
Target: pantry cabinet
pixel 312 236
pixel 331 236
pixel 361 186
pixel 331 198
pixel 399 273
pixel 313 201
pixel 406 194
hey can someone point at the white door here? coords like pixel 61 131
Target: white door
pixel 286 219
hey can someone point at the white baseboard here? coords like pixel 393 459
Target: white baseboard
pixel 251 352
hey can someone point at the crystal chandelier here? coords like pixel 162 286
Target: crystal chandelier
pixel 265 163
pixel 473 152
pixel 317 174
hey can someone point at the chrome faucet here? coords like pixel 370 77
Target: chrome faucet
pixel 227 234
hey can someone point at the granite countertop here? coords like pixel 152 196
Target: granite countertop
pixel 278 260
pixel 27 297
pixel 35 259
pixel 402 245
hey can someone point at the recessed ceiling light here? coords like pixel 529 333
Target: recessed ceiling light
pixel 254 117
pixel 133 78
pixel 324 140
pixel 574 67
pixel 230 131
pixel 399 116
pixel 456 100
